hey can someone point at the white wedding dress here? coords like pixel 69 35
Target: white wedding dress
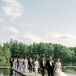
pixel 58 70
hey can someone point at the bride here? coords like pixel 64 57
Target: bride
pixel 58 68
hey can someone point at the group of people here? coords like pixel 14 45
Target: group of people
pixel 33 65
pixel 25 64
pixel 52 68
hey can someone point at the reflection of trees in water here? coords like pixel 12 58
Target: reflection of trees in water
pixel 10 72
pixel 14 73
pixel 4 72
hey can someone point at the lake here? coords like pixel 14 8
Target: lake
pixel 4 72
pixel 7 72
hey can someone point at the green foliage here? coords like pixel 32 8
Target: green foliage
pixel 2 60
pixel 4 55
pixel 37 50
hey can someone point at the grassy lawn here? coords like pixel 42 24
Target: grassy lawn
pixel 68 69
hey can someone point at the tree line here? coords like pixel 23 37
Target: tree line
pixel 14 48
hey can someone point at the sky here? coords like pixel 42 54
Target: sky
pixel 29 21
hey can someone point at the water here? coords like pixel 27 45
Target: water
pixel 8 72
pixel 4 72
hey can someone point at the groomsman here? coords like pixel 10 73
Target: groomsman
pixel 42 66
pixel 30 61
pixel 50 66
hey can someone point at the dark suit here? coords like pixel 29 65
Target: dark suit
pixel 11 65
pixel 30 65
pixel 50 68
pixel 42 66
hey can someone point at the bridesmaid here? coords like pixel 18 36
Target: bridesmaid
pixel 25 68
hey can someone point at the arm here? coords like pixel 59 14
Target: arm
pixel 60 66
pixel 55 66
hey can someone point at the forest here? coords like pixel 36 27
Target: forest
pixel 13 49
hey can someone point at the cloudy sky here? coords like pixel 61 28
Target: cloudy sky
pixel 38 21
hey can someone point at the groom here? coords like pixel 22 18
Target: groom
pixel 50 66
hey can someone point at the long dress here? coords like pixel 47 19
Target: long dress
pixel 58 70
pixel 20 65
pixel 36 66
pixel 25 66
pixel 15 63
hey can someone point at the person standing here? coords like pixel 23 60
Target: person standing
pixel 58 68
pixel 30 64
pixel 36 66
pixel 50 66
pixel 20 64
pixel 11 62
pixel 17 63
pixel 25 63
pixel 42 66
pixel 11 65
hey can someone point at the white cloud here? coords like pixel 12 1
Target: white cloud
pixel 64 39
pixel 10 29
pixel 60 35
pixel 12 8
pixel 2 20
pixel 32 38
pixel 29 38
pixel 14 30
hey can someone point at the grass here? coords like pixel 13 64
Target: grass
pixel 69 69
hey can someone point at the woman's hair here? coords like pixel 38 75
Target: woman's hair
pixel 58 59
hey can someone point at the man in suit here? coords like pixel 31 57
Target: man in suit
pixel 42 66
pixel 11 65
pixel 30 64
pixel 50 66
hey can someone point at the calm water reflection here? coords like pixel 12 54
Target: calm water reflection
pixel 8 72
pixel 4 72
